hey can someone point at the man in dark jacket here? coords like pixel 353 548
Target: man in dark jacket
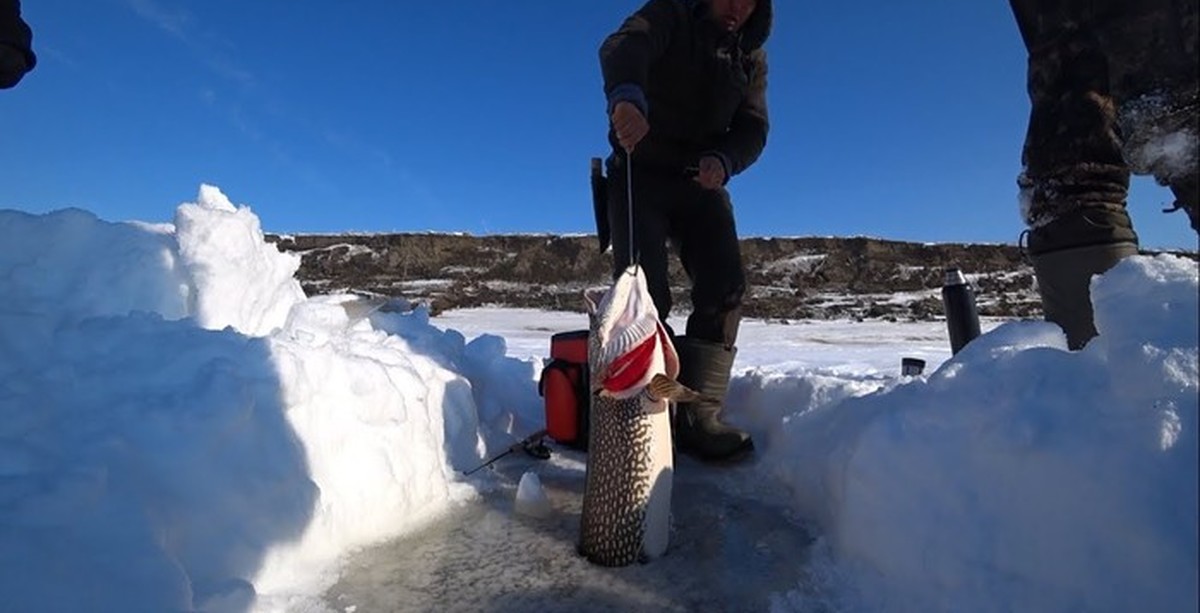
pixel 686 87
pixel 1113 87
pixel 16 52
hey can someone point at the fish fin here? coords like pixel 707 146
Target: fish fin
pixel 662 386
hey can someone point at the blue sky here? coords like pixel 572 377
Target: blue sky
pixel 888 119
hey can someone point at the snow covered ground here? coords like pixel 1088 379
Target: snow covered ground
pixel 182 429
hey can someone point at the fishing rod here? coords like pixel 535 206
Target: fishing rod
pixel 531 445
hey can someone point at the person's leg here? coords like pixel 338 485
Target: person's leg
pixel 1064 282
pixel 706 233
pixel 703 228
pixel 650 200
pixel 1075 181
pixel 1154 67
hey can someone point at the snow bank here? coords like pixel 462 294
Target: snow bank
pixel 180 429
pixel 1019 475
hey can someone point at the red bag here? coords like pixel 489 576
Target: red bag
pixel 564 386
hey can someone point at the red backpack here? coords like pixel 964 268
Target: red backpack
pixel 564 386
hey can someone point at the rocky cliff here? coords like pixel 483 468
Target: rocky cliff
pixel 789 278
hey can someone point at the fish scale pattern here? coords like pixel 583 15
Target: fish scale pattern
pixel 617 486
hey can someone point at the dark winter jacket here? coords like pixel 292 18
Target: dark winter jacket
pixel 703 90
pixel 16 52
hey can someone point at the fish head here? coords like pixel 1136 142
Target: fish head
pixel 627 343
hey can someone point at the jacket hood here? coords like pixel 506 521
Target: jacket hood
pixel 758 27
pixel 754 32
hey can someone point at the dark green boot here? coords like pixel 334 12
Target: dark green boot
pixel 704 366
pixel 1064 281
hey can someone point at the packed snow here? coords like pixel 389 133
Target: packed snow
pixel 181 428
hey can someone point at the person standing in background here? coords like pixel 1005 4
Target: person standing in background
pixel 686 84
pixel 1113 92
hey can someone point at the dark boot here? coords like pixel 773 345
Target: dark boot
pixel 1064 281
pixel 704 367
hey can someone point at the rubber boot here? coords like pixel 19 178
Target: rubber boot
pixel 705 367
pixel 1064 281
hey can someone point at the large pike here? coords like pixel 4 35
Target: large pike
pixel 627 494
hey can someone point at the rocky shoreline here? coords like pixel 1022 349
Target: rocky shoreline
pixel 789 278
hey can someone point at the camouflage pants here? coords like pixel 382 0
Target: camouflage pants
pixel 1113 91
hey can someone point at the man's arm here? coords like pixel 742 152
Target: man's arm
pixel 747 135
pixel 626 55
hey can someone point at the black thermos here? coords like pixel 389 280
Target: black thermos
pixel 962 319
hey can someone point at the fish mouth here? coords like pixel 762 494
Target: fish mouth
pixel 633 370
pixel 630 368
pixel 628 339
pixel 624 316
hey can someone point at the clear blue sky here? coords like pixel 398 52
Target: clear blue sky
pixel 889 119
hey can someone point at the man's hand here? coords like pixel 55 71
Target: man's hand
pixel 711 174
pixel 629 124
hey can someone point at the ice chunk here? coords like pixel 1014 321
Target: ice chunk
pixel 531 498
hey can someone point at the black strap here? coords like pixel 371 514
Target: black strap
pixel 567 367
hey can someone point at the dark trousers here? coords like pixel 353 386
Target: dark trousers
pixel 1109 82
pixel 699 224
